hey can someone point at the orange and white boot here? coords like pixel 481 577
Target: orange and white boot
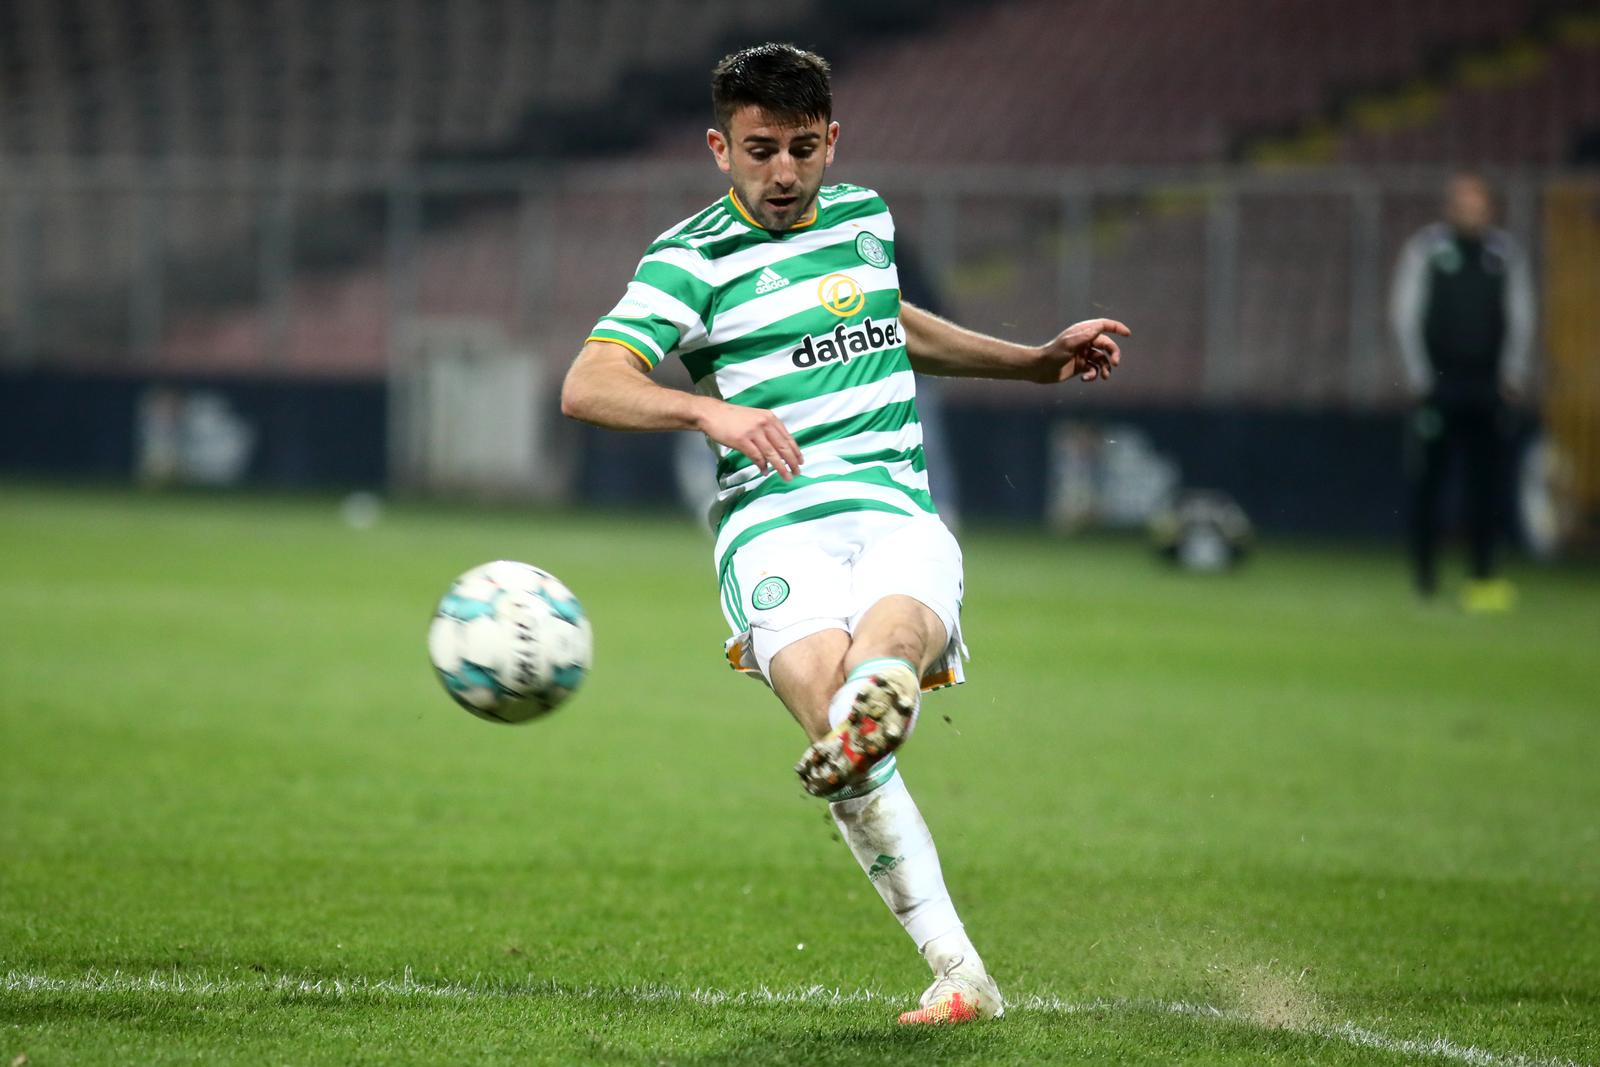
pixel 959 995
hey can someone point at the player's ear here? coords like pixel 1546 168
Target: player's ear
pixel 833 136
pixel 719 148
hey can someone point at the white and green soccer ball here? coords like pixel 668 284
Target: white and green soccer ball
pixel 510 642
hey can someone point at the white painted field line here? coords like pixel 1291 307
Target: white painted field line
pixel 177 983
pixel 1348 1033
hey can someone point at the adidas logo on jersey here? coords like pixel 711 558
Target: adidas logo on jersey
pixel 770 281
pixel 847 342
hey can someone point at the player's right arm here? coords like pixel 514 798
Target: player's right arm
pixel 1408 304
pixel 608 386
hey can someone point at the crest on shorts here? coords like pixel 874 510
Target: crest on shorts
pixel 769 593
pixel 871 250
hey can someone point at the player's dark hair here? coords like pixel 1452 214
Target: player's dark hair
pixel 786 82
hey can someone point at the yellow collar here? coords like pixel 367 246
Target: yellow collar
pixel 740 208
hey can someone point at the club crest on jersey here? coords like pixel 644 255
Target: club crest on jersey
pixel 871 250
pixel 847 342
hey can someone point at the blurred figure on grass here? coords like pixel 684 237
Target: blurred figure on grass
pixel 1462 309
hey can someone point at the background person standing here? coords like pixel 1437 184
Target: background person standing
pixel 1462 308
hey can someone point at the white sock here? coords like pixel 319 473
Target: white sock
pixel 886 833
pixel 952 950
pixel 840 705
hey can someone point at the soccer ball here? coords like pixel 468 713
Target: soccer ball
pixel 510 642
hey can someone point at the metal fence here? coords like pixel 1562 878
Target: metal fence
pixel 1244 287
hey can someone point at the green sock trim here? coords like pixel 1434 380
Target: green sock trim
pixel 873 666
pixel 877 778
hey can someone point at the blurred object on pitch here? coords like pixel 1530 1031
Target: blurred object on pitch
pixel 1547 509
pixel 1108 476
pixel 694 465
pixel 1205 531
pixel 193 438
pixel 361 510
pixel 466 416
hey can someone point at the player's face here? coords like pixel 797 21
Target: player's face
pixel 1468 205
pixel 776 166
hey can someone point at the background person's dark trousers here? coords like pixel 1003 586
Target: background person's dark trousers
pixel 1437 435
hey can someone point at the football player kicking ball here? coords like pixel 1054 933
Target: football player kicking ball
pixel 839 582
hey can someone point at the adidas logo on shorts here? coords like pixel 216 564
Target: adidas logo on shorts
pixel 770 281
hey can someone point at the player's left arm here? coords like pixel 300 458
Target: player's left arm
pixel 1516 352
pixel 1086 350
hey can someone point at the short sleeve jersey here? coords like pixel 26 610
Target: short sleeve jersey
pixel 804 323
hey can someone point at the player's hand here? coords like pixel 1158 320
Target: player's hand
pixel 754 432
pixel 1084 350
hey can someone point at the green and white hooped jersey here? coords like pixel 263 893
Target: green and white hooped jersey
pixel 805 323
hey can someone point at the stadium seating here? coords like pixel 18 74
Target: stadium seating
pixel 299 88
pixel 1530 114
pixel 313 89
pixel 371 81
pixel 1159 82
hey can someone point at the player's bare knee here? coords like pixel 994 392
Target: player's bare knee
pixel 903 641
pixel 899 628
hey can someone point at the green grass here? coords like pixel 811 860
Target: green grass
pixel 240 822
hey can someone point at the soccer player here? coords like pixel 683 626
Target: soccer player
pixel 840 584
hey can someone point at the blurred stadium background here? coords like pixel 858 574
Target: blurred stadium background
pixel 290 243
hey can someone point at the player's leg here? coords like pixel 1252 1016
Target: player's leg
pixel 806 674
pixel 1483 442
pixel 801 649
pixel 898 627
pixel 1482 478
pixel 875 709
pixel 909 583
pixel 885 830
pixel 1427 455
pixel 877 817
pixel 906 586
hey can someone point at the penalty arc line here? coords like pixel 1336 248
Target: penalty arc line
pixel 178 984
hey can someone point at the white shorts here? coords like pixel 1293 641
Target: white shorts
pixel 799 580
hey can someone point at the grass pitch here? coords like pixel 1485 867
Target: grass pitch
pixel 1285 816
